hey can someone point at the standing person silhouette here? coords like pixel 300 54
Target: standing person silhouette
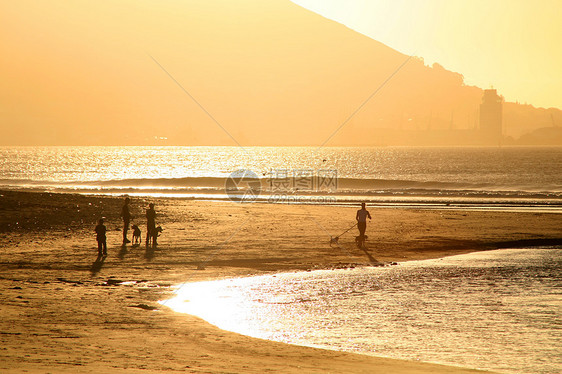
pixel 151 225
pixel 100 237
pixel 361 218
pixel 126 219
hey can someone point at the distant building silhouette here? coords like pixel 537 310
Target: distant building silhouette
pixel 491 117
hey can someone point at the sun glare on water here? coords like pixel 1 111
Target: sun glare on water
pixel 200 299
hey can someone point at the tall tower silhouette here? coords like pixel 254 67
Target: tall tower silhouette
pixel 491 117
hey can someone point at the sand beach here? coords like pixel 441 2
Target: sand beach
pixel 63 311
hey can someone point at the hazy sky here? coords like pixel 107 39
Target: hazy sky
pixel 514 45
pixel 271 72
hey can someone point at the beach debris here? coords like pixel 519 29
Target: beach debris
pixel 344 266
pixel 114 282
pixel 143 306
pixel 68 281
pixel 163 284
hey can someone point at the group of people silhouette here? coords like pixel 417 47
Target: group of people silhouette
pixel 151 229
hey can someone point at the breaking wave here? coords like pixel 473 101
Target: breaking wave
pixel 343 187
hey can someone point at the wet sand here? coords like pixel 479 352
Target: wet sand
pixel 63 311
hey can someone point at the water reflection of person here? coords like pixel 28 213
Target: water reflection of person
pixel 361 218
pixel 151 225
pixel 126 219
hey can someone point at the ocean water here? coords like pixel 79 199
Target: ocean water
pixel 477 175
pixel 499 310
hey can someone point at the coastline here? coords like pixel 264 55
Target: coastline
pixel 63 312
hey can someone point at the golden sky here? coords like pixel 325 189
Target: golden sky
pixel 512 45
pixel 269 71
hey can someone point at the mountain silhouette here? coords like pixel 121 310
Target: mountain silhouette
pixel 268 72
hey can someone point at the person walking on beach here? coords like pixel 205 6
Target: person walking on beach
pixel 151 225
pixel 101 238
pixel 126 219
pixel 361 218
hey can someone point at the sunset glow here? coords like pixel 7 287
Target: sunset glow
pixel 513 45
